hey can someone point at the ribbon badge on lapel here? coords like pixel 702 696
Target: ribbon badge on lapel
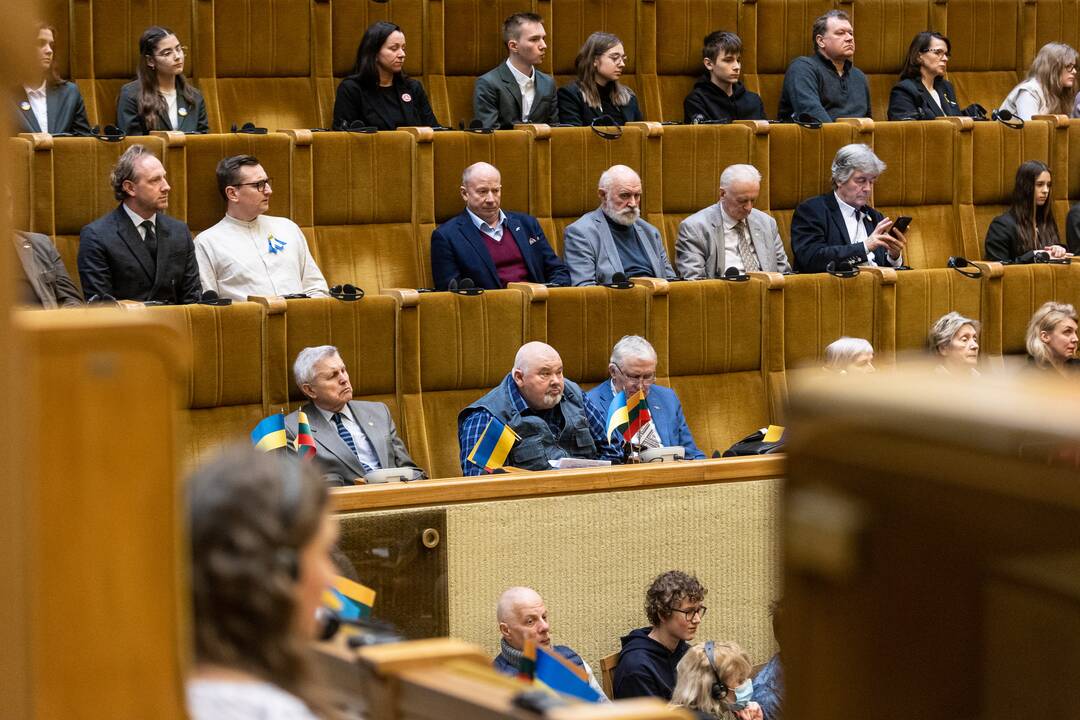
pixel 182 112
pixel 24 106
pixel 274 245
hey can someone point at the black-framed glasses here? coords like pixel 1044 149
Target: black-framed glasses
pixel 690 613
pixel 259 185
pixel 647 379
pixel 178 51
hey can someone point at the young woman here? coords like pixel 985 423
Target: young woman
pixel 1051 338
pixel 47 103
pixel 954 343
pixel 597 90
pixel 261 538
pixel 1029 225
pixel 378 93
pixel 714 682
pixel 160 98
pixel 1050 87
pixel 923 93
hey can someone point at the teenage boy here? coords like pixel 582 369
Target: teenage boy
pixel 718 95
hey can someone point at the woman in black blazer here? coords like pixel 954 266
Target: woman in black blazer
pixel 923 93
pixel 160 98
pixel 597 90
pixel 65 112
pixel 378 93
pixel 1028 226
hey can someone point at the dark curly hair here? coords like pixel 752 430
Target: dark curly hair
pixel 668 591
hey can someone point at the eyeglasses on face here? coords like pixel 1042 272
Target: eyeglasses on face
pixel 691 613
pixel 940 52
pixel 178 51
pixel 259 185
pixel 647 379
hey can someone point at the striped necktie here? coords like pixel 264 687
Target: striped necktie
pixel 348 438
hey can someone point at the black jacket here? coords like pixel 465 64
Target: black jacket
pixel 192 116
pixel 1072 227
pixel 573 110
pixel 712 103
pixel 65 108
pixel 819 236
pixel 646 668
pixel 910 99
pixel 1002 238
pixel 356 102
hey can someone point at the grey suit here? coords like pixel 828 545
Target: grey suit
pixel 497 98
pixel 700 251
pixel 590 253
pixel 339 464
pixel 45 279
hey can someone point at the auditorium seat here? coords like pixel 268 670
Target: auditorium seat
pixel 1024 288
pixel 508 150
pixel 1074 162
pixel 988 48
pixel 364 187
pixel 20 178
pixel 923 297
pixel 453 350
pixel 883 31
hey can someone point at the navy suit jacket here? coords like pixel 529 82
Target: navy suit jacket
pixel 666 412
pixel 458 251
pixel 113 260
pixel 819 236
pixel 65 108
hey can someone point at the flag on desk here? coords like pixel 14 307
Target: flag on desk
pixel 494 445
pixel 618 419
pixel 269 434
pixel 304 445
pixel 637 414
pixel 350 600
pixel 556 673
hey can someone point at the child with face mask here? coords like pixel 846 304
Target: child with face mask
pixel 713 681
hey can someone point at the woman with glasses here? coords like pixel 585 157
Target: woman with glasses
pixel 160 98
pixel 378 93
pixel 597 90
pixel 1028 227
pixel 48 103
pixel 923 93
pixel 1050 87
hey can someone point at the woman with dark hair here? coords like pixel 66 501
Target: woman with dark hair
pixel 597 90
pixel 261 537
pixel 923 93
pixel 160 98
pixel 1028 226
pixel 50 104
pixel 378 93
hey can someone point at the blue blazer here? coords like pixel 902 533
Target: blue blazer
pixel 819 236
pixel 666 411
pixel 458 251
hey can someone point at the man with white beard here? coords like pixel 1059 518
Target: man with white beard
pixel 613 238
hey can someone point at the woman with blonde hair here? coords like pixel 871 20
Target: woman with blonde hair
pixel 1050 87
pixel 597 90
pixel 713 681
pixel 1051 338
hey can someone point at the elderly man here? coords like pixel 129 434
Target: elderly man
pixel 825 85
pixel 551 415
pixel 731 233
pixel 137 252
pixel 633 368
pixel 489 246
pixel 840 228
pixel 613 238
pixel 522 616
pixel 352 437
pixel 249 252
pixel 41 280
pixel 517 91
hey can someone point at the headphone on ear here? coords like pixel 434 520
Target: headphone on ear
pixel 291 491
pixel 719 688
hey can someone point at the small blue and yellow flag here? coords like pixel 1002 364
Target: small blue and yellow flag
pixel 350 600
pixel 618 415
pixel 547 669
pixel 269 434
pixel 494 445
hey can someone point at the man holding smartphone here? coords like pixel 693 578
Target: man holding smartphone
pixel 840 230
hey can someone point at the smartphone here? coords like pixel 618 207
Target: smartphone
pixel 902 223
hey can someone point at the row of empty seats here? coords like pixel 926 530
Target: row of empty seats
pixel 276 62
pixel 726 347
pixel 369 202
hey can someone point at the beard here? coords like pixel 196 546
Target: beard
pixel 626 216
pixel 550 400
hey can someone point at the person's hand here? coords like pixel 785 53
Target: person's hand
pixel 751 712
pixel 884 236
pixel 1056 251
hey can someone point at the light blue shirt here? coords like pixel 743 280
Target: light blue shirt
pixel 495 232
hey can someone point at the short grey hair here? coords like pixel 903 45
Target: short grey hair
pixel 303 369
pixel 739 173
pixel 509 600
pixel 853 158
pixel 124 169
pixel 632 346
pixel 613 173
pixel 943 331
pixel 842 352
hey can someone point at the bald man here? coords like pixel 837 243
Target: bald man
pixel 613 238
pixel 550 414
pixel 523 616
pixel 489 246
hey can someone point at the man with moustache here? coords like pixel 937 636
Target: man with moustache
pixel 550 415
pixel 137 252
pixel 613 238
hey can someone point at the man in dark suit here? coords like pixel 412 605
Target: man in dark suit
pixel 477 243
pixel 840 227
pixel 352 437
pixel 516 91
pixel 136 252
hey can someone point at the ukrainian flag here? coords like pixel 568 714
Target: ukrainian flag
pixel 618 415
pixel 350 600
pixel 556 673
pixel 494 445
pixel 269 434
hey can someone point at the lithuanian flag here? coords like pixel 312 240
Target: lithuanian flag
pixel 637 413
pixel 269 434
pixel 304 443
pixel 494 445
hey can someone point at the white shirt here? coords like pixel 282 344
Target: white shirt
pixel 170 101
pixel 232 700
pixel 495 232
pixel 364 449
pixel 857 234
pixel 527 85
pixel 138 221
pixel 267 256
pixel 732 258
pixel 39 105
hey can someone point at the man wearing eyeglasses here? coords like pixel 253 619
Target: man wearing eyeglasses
pixel 633 368
pixel 248 252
